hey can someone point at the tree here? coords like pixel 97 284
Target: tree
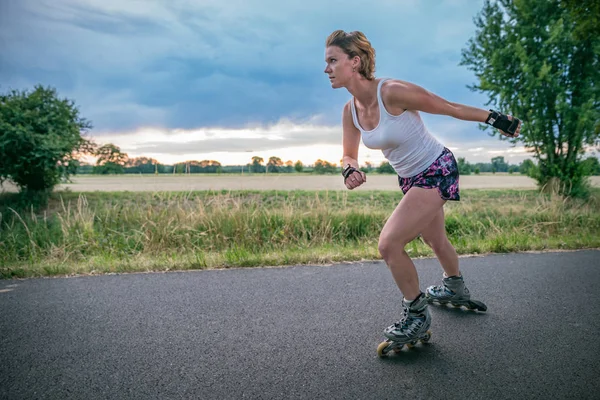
pixel 40 139
pixel 526 167
pixel 207 166
pixel 325 167
pixel 274 164
pixel 367 168
pixel 386 168
pixel 586 15
pixel 257 164
pixel 139 161
pixel 289 166
pixel 499 165
pixel 299 166
pixel 464 168
pixel 110 160
pixel 533 60
pixel 591 166
pixel 142 165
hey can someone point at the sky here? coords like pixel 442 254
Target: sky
pixel 228 80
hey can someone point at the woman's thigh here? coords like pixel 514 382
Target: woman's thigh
pixel 434 234
pixel 414 213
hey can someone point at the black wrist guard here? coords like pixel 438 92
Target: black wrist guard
pixel 501 121
pixel 347 171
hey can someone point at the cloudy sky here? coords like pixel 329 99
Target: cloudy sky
pixel 226 80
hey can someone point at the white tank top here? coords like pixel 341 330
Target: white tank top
pixel 403 139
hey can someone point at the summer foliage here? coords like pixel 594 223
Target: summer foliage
pixel 40 136
pixel 539 60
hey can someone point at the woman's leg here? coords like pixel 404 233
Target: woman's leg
pixel 416 210
pixel 434 235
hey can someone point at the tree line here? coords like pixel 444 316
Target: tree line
pixel 112 161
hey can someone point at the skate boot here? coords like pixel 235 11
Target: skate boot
pixel 412 327
pixel 453 291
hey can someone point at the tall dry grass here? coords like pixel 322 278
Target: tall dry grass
pixel 109 232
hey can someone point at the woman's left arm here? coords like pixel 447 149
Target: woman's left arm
pixel 409 96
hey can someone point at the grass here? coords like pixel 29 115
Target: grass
pixel 111 232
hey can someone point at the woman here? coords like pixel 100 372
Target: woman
pixel 385 113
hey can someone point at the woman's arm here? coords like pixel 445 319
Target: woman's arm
pixel 350 139
pixel 409 96
pixel 350 142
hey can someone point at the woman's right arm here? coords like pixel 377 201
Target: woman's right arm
pixel 350 143
pixel 350 139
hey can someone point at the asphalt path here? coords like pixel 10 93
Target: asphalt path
pixel 303 332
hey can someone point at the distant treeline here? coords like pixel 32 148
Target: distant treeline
pixel 320 167
pixel 112 161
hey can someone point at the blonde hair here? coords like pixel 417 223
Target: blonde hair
pixel 355 44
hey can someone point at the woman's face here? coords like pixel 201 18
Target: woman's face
pixel 338 66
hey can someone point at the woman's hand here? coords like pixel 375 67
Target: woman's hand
pixel 517 131
pixel 355 179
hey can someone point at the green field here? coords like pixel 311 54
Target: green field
pixel 104 232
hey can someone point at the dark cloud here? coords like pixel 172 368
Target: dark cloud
pixel 188 65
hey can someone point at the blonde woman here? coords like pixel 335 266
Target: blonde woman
pixel 385 114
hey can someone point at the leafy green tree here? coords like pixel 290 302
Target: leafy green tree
pixel 535 59
pixel 591 166
pixel 477 170
pixel 325 167
pixel 207 166
pixel 299 167
pixel 40 139
pixel 484 167
pixel 464 168
pixel 499 165
pixel 367 168
pixel 289 166
pixel 586 14
pixel 526 167
pixel 257 164
pixel 274 164
pixel 386 168
pixel 110 160
pixel 180 168
pixel 142 165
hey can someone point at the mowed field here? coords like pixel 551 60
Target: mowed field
pixel 152 183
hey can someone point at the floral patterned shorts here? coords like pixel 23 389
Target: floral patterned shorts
pixel 441 174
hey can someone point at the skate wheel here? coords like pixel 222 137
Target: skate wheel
pixel 383 349
pixel 427 337
pixel 477 305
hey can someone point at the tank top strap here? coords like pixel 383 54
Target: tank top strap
pixel 382 114
pixel 354 117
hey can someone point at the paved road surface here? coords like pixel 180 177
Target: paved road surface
pixel 305 332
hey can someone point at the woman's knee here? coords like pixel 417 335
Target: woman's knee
pixel 389 244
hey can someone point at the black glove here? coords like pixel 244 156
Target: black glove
pixel 348 171
pixel 501 121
